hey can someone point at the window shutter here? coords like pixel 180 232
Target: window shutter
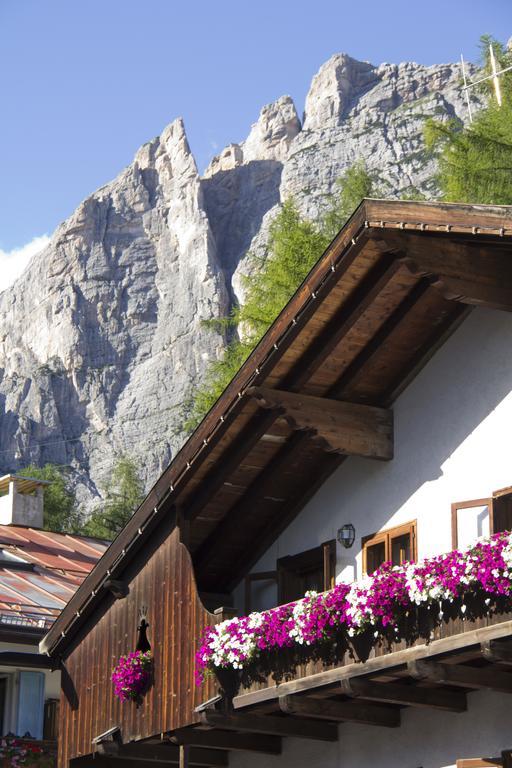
pixel 30 704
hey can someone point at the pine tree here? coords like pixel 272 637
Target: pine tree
pixel 475 163
pixel 123 494
pixel 295 244
pixel 60 510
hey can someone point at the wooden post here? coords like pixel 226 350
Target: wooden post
pixel 184 755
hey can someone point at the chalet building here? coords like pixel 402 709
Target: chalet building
pixel 371 424
pixel 39 573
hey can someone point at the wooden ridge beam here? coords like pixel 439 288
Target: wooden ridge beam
pixel 229 740
pixel 341 427
pixel 461 675
pixel 340 711
pixel 300 728
pixel 497 651
pixel 409 695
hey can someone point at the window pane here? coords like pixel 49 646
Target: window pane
pixel 472 522
pixel 375 556
pixel 401 549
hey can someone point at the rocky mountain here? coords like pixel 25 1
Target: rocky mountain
pixel 103 336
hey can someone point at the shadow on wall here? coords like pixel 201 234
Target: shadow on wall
pixel 437 459
pixel 236 201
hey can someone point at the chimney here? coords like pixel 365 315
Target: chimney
pixel 21 501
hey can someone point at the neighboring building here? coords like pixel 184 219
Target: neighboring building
pixel 39 572
pixel 378 407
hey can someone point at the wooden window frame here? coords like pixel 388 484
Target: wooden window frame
pixel 456 506
pixel 301 561
pixel 385 536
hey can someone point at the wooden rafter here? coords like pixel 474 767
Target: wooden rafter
pixel 340 427
pixel 228 740
pixel 497 651
pixel 340 711
pixel 461 675
pixel 409 695
pixel 301 728
pixel 462 271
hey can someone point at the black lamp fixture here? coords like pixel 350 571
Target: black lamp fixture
pixel 346 535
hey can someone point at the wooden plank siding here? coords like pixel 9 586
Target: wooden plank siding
pixel 165 587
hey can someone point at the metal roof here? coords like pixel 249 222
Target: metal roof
pixel 39 572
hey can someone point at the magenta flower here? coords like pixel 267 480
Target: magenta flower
pixel 132 674
pixel 386 604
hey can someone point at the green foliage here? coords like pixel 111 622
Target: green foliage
pixel 124 493
pixel 475 163
pixel 294 245
pixel 60 511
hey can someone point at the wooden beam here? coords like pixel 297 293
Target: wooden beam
pixel 236 742
pixel 251 500
pixel 150 756
pixel 272 725
pixel 395 319
pixel 172 753
pixel 496 651
pixel 340 711
pixel 340 324
pixel 410 695
pixel 471 273
pixel 229 461
pixel 460 674
pixel 346 428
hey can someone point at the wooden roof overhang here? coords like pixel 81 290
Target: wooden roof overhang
pixel 391 287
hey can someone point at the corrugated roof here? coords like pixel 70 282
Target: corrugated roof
pixel 39 572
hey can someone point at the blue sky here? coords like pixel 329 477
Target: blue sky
pixel 83 83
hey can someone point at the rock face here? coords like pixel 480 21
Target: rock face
pixel 102 337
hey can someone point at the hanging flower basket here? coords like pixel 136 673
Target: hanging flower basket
pixel 132 675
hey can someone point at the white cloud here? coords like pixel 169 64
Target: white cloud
pixel 12 263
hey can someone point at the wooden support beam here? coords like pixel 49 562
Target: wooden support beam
pixel 271 725
pixel 230 460
pixel 236 742
pixel 345 318
pixel 172 753
pixel 496 651
pixel 261 486
pixel 340 711
pixel 346 428
pixel 461 675
pixel 471 273
pixel 152 756
pixel 410 695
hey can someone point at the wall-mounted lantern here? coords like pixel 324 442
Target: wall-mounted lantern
pixel 346 535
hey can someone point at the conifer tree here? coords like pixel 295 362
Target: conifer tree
pixel 475 163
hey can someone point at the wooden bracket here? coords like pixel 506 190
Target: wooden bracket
pixel 339 711
pixel 461 675
pixel 409 695
pixel 340 427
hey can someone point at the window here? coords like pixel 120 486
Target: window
pixel 395 545
pixel 30 704
pixel 481 517
pixel 314 569
pixel 296 574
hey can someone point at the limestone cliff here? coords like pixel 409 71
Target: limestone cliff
pixel 103 335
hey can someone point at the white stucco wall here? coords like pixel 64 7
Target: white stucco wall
pixel 453 436
pixel 425 739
